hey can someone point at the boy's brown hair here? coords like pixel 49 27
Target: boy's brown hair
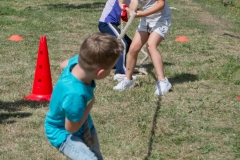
pixel 99 50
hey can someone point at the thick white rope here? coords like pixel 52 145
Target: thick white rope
pixel 124 30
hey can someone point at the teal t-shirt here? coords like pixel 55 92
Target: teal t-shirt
pixel 70 98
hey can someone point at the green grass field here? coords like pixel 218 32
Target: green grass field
pixel 198 120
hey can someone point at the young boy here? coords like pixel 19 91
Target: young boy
pixel 68 124
pixel 108 23
pixel 155 21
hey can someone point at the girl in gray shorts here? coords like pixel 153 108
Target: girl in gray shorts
pixel 155 21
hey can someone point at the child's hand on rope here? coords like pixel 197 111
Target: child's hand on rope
pixel 131 12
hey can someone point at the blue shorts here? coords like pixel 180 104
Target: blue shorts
pixel 75 149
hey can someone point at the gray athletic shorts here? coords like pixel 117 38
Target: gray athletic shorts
pixel 160 27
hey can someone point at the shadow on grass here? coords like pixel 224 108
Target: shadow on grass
pixel 18 105
pixel 184 77
pixel 180 78
pixel 13 109
pixel 5 116
pixel 149 66
pixel 68 6
pixel 154 124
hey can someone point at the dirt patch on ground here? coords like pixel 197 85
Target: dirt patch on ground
pixel 205 17
pixel 221 36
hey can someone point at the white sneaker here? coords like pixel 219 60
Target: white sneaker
pixel 124 84
pixel 120 77
pixel 162 87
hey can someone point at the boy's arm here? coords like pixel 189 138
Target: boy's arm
pixel 158 7
pixel 73 127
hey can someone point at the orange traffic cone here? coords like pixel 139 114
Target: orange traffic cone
pixel 182 39
pixel 42 85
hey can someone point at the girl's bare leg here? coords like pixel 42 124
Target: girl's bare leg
pixel 139 39
pixel 153 41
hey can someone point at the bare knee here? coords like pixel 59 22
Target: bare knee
pixel 152 49
pixel 133 51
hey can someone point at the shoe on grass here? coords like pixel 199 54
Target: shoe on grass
pixel 120 77
pixel 162 87
pixel 124 84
